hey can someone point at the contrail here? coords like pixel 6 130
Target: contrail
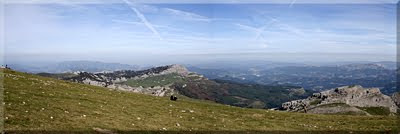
pixel 258 31
pixel 262 29
pixel 143 19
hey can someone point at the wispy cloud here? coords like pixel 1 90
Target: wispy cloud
pixel 257 31
pixel 186 15
pixel 292 3
pixel 143 19
pixel 142 24
pixel 117 29
pixel 128 22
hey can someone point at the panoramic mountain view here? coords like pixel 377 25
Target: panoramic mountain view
pixel 125 66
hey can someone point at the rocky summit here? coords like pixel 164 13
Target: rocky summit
pixel 346 99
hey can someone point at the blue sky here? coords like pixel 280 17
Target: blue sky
pixel 136 33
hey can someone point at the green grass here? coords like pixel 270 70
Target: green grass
pixel 376 110
pixel 160 80
pixel 334 105
pixel 57 75
pixel 39 103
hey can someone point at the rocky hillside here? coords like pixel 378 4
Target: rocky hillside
pixel 347 99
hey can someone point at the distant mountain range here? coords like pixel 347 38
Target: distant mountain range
pixel 315 78
pixel 72 66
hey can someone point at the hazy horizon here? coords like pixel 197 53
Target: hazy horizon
pixel 166 33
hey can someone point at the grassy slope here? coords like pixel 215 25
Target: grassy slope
pixel 38 103
pixel 160 80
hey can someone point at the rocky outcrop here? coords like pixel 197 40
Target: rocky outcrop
pixel 354 96
pixel 396 98
pixel 155 91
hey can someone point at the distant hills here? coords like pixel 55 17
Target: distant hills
pixel 72 66
pixel 312 77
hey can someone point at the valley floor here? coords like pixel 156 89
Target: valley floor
pixel 37 104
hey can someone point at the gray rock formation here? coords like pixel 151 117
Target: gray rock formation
pixel 353 96
pixel 396 98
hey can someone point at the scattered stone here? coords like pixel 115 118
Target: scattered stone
pixel 138 118
pixel 103 131
pixel 178 125
pixel 51 117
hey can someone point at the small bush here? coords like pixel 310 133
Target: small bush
pixel 315 102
